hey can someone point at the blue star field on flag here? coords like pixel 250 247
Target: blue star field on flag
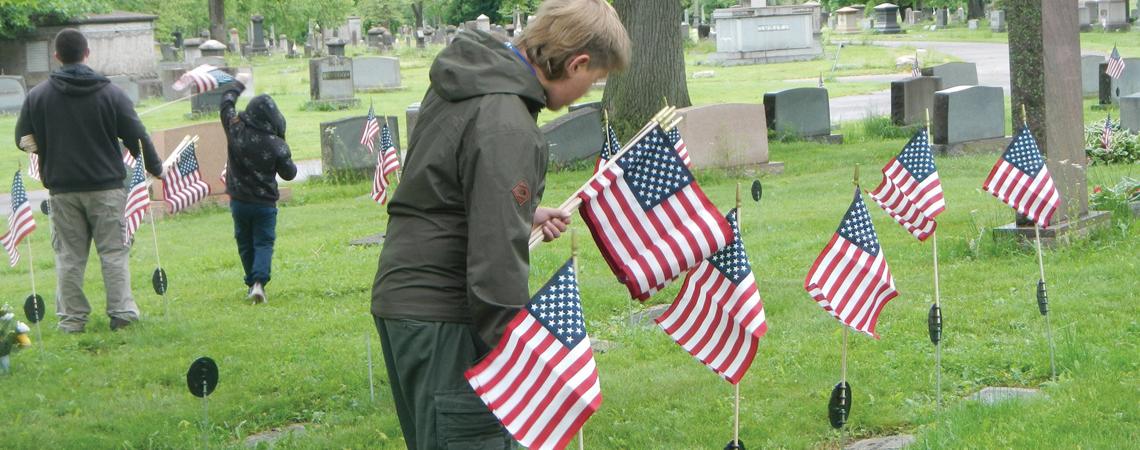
pixel 1024 154
pixel 917 158
pixel 653 169
pixel 188 162
pixel 558 307
pixel 386 138
pixel 857 228
pixel 19 194
pixel 731 261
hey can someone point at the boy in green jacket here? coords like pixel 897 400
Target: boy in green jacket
pixel 455 262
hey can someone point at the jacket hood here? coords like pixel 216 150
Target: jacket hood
pixel 77 80
pixel 262 114
pixel 477 64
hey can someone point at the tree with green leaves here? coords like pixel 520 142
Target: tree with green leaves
pixel 19 17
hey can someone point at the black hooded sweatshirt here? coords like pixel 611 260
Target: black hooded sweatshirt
pixel 78 118
pixel 257 148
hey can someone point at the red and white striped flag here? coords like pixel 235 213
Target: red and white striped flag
pixel 128 159
pixel 21 223
pixel 850 278
pixel 138 201
pixel 1115 64
pixel 1021 179
pixel 679 146
pixel 541 380
pixel 718 316
pixel 610 147
pixel 911 191
pixel 225 171
pixel 1106 134
pixel 387 162
pixel 915 70
pixel 650 218
pixel 182 183
pixel 371 129
pixel 34 167
pixel 204 78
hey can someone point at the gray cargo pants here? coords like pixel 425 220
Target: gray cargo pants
pixel 77 219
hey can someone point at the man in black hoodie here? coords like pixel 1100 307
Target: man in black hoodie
pixel 74 122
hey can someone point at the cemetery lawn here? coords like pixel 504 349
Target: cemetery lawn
pixel 301 359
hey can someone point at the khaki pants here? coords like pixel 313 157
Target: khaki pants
pixel 77 220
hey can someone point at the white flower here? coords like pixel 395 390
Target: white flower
pixel 22 328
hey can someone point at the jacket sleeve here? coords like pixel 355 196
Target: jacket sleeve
pixel 229 100
pixel 23 124
pixel 285 166
pixel 132 131
pixel 500 175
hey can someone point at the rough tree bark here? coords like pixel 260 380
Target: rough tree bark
pixel 418 12
pixel 975 9
pixel 657 68
pixel 217 21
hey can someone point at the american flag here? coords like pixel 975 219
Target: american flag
pixel 820 81
pixel 718 316
pixel 34 167
pixel 650 218
pixel 1115 64
pixel 182 184
pixel 128 159
pixel 387 161
pixel 610 147
pixel 850 278
pixel 225 171
pixel 679 146
pixel 915 70
pixel 204 78
pixel 371 129
pixel 1021 180
pixel 138 200
pixel 1106 135
pixel 911 191
pixel 21 223
pixel 541 380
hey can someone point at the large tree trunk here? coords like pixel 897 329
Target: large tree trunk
pixel 418 12
pixel 975 9
pixel 657 69
pixel 217 21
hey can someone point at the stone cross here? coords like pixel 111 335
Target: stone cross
pixel 1052 98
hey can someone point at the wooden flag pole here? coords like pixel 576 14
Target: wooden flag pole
pixel 371 383
pixel 736 386
pixel 32 273
pixel 573 202
pixel 574 263
pixel 937 300
pixel 154 229
pixel 156 108
pixel 1042 296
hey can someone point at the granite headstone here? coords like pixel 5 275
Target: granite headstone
pixel 11 93
pixel 341 151
pixel 968 113
pixel 376 72
pixel 954 74
pixel 911 98
pixel 727 135
pixel 800 111
pixel 574 136
pixel 1130 112
pixel 1111 89
pixel 1090 74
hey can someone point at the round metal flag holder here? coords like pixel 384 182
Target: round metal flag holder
pixel 757 190
pixel 202 379
pixel 45 208
pixel 934 324
pixel 34 308
pixel 839 408
pixel 159 281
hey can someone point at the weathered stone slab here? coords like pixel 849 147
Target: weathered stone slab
pixel 330 79
pixel 376 72
pixel 726 135
pixel 210 150
pixel 968 113
pixel 1130 112
pixel 887 19
pixel 990 395
pixel 1090 74
pixel 12 93
pixel 128 86
pixel 410 115
pixel 911 98
pixel 574 136
pixel 954 74
pixel 342 154
pixel 646 316
pixel 1111 89
pixel 800 112
pixel 997 21
pixel 896 442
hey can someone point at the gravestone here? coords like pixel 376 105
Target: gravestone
pixel 211 153
pixel 847 20
pixel 997 21
pixel 212 48
pixel 235 41
pixel 765 35
pixel 257 41
pixel 887 19
pixel 1130 112
pixel 961 14
pixel 1053 104
pixel 129 87
pixel 954 74
pixel 342 154
pixel 911 98
pixel 1090 75
pixel 727 135
pixel 12 93
pixel 168 73
pixel 336 47
pixel 1111 89
pixel 574 136
pixel 169 53
pixel 941 17
pixel 376 72
pixel 968 114
pixel 1112 15
pixel 1085 16
pixel 330 80
pixel 972 24
pixel 483 23
pixel 803 112
pixel 375 34
pixel 410 114
pixel 190 52
pixel 208 102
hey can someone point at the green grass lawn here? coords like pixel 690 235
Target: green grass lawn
pixel 302 358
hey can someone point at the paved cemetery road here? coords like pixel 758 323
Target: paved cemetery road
pixel 993 70
pixel 992 60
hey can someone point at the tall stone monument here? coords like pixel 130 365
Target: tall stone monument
pixel 1053 104
pixel 257 39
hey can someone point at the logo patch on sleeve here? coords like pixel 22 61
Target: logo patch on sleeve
pixel 521 191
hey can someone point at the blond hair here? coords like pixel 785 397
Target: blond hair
pixel 563 29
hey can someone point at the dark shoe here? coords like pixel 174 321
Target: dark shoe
pixel 118 324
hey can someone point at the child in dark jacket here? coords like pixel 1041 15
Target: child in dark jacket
pixel 257 155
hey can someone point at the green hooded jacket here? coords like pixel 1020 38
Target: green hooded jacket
pixel 460 220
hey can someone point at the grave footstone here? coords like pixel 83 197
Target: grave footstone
pixel 1111 89
pixel 991 395
pixel 129 87
pixel 1090 75
pixel 897 442
pixel 886 19
pixel 997 21
pixel 911 98
pixel 954 74
pixel 342 154
pixel 727 135
pixel 376 72
pixel 574 136
pixel 968 117
pixel 802 112
pixel 1130 112
pixel 330 80
pixel 12 93
pixel 410 114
